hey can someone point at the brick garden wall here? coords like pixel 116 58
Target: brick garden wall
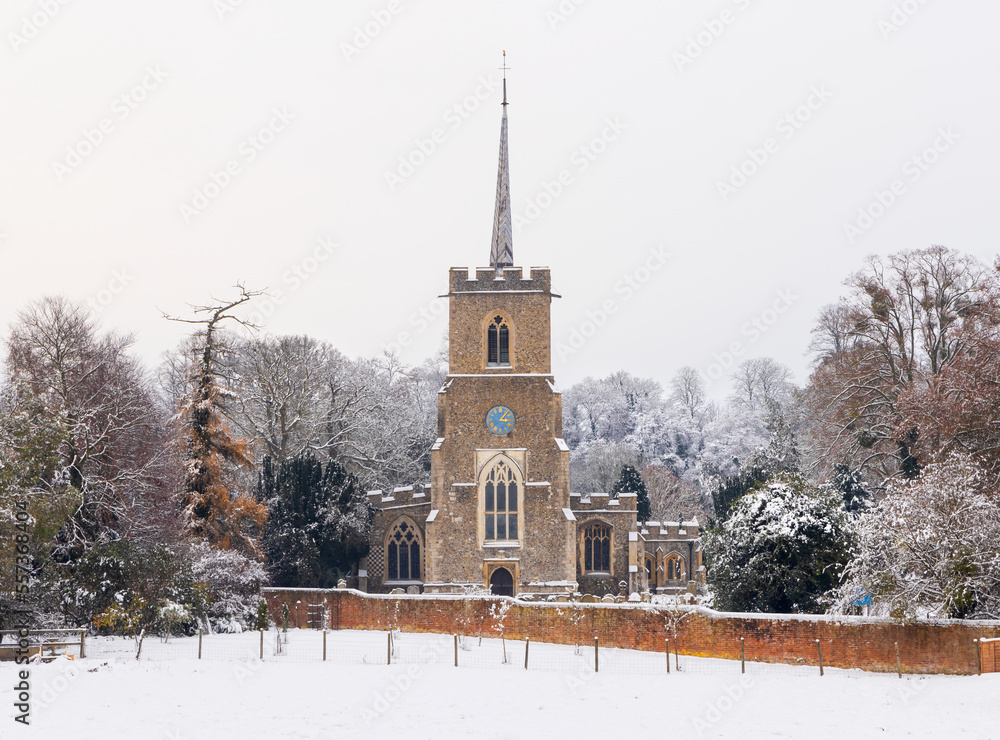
pixel 848 642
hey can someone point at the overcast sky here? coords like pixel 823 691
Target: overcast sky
pixel 361 143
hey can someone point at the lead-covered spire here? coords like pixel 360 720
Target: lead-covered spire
pixel 502 249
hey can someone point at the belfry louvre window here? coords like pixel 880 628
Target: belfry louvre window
pixel 597 548
pixel 500 493
pixel 498 342
pixel 403 556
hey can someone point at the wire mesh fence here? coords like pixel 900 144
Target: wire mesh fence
pixel 463 651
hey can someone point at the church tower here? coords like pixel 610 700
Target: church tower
pixel 500 513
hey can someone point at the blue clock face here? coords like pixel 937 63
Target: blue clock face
pixel 500 420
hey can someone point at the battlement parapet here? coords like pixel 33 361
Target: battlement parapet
pixel 507 279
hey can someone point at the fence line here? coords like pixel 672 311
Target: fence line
pixel 485 651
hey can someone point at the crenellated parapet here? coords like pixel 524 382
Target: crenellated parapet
pixel 492 279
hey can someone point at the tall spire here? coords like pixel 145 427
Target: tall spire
pixel 502 249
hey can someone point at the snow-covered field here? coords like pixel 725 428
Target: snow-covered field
pixel 355 695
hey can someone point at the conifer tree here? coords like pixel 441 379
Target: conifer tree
pixel 629 481
pixel 318 521
pixel 216 509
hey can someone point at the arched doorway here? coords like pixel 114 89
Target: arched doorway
pixel 502 583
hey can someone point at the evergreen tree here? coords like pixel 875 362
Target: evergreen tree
pixel 782 548
pixel 848 482
pixel 318 521
pixel 216 509
pixel 629 481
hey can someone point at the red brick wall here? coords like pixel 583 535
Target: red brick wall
pixel 848 642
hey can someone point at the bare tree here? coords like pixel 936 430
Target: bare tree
pixel 688 389
pixel 907 318
pixel 102 417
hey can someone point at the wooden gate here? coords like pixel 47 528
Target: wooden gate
pixel 989 655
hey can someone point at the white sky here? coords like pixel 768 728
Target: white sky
pixel 655 186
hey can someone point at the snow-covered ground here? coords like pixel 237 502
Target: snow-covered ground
pixel 232 694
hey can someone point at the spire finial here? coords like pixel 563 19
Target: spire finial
pixel 504 68
pixel 502 249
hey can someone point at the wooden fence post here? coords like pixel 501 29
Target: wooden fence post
pixel 668 655
pixel 456 650
pixel 262 644
pixel 388 659
pixel 199 644
pixel 527 642
pixel 324 644
pixel 597 665
pixel 743 655
pixel 83 640
pixel 819 649
pixel 677 657
pixel 979 656
pixel 899 666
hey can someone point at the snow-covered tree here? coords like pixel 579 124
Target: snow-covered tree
pixel 629 481
pixel 906 320
pixel 781 549
pixel 318 521
pixel 216 508
pixel 231 583
pixel 930 546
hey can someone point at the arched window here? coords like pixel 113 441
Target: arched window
pixel 403 553
pixel 675 568
pixel 597 548
pixel 650 571
pixel 498 342
pixel 500 498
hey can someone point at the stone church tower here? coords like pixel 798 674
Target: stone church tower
pixel 498 513
pixel 500 506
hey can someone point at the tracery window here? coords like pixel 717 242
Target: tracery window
pixel 650 570
pixel 675 568
pixel 597 548
pixel 498 342
pixel 500 491
pixel 403 553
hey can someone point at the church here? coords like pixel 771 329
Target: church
pixel 498 514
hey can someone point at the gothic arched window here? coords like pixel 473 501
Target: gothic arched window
pixel 675 568
pixel 650 571
pixel 500 491
pixel 498 342
pixel 597 548
pixel 403 553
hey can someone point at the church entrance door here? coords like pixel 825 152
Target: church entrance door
pixel 502 583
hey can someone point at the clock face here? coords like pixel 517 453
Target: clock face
pixel 500 420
